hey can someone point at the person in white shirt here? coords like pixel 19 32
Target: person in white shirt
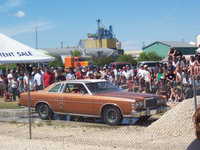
pixel 146 73
pixel 9 77
pixel 38 79
pixel 41 70
pixel 89 72
pixel 115 72
pixel 14 87
pixel 140 71
pixel 175 62
pixel 70 75
pixel 32 83
pixel 145 76
pixel 128 73
pixel 103 73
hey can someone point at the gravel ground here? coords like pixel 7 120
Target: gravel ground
pixel 174 130
pixel 177 121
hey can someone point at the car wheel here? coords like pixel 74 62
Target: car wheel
pixel 112 116
pixel 45 112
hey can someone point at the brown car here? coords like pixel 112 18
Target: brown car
pixel 93 98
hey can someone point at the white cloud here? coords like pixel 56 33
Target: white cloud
pixel 25 28
pixel 10 4
pixel 20 14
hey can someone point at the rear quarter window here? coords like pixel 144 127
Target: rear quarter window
pixel 55 89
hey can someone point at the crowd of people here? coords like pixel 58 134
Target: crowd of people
pixel 172 78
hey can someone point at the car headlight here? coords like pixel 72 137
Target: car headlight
pixel 137 105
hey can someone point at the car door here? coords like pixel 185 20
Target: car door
pixel 55 98
pixel 77 100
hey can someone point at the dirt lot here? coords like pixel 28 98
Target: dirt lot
pixel 174 130
pixel 77 135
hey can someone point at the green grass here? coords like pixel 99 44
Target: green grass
pixel 9 105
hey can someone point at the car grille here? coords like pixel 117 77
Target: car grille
pixel 150 102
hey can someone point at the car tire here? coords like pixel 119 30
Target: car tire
pixel 45 112
pixel 112 116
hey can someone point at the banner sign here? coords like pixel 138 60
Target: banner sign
pixel 14 54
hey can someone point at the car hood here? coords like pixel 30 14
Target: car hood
pixel 129 95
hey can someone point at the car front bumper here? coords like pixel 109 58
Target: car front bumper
pixel 148 112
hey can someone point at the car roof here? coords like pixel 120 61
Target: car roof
pixel 82 81
pixel 150 62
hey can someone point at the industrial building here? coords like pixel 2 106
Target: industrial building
pixel 101 43
pixel 135 54
pixel 162 47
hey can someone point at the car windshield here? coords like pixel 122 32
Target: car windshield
pixel 81 59
pixel 101 87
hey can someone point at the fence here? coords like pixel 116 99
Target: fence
pixel 173 129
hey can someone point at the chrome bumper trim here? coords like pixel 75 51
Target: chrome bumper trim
pixel 148 112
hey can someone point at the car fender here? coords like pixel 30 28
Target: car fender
pixel 42 102
pixel 110 104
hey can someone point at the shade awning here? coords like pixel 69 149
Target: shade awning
pixel 12 51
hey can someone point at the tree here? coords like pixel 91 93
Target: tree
pixel 56 63
pixel 128 59
pixel 9 66
pixel 151 56
pixel 76 53
pixel 102 61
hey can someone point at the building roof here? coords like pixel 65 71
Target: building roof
pixel 174 44
pixel 136 52
pixel 177 43
pixel 57 52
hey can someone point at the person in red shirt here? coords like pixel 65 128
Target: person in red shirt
pixel 48 78
pixel 79 74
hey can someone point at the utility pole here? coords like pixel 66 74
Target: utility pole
pixel 36 37
pixel 98 22
pixel 61 44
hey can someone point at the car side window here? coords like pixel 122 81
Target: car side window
pixel 55 89
pixel 75 88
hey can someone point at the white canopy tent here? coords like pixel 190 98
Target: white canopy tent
pixel 12 51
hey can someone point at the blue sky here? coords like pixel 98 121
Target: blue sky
pixel 134 21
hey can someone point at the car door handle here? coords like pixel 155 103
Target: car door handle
pixel 63 96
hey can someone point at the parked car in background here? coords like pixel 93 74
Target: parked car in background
pixel 150 64
pixel 120 65
pixel 93 98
